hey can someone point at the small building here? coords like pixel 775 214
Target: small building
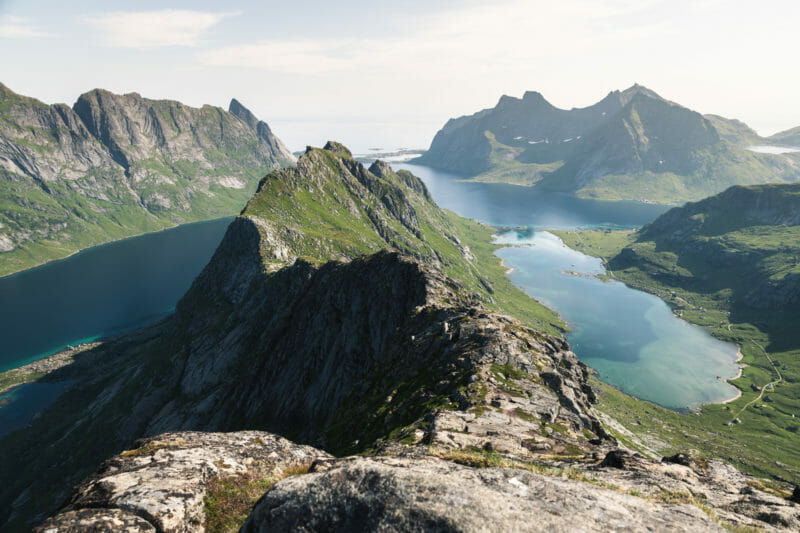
pixel 755 387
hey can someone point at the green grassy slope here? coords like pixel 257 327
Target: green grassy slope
pixel 329 220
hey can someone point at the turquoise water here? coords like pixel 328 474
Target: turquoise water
pixel 101 291
pixel 631 338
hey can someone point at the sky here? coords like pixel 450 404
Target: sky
pixel 388 74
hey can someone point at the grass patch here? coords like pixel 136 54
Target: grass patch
pixel 230 499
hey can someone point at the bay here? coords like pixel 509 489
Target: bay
pixel 631 338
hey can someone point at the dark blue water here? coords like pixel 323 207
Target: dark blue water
pixel 101 291
pixel 630 337
pixel 20 405
pixel 513 205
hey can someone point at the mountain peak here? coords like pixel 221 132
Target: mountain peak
pixel 634 90
pixel 338 148
pixel 236 108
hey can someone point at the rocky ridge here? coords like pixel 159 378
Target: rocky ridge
pixel 283 332
pixel 115 165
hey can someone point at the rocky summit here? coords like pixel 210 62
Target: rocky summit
pixel 114 165
pixel 346 312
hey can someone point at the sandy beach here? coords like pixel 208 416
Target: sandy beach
pixel 739 356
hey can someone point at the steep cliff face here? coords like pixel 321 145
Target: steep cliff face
pixel 117 165
pixel 632 144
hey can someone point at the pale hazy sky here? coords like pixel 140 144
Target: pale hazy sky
pixel 390 73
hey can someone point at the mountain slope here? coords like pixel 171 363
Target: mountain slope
pixel 729 263
pixel 631 145
pixel 118 165
pixel 344 309
pixel 744 242
pixel 787 138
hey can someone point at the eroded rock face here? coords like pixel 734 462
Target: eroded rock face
pixel 404 494
pixel 160 484
pixel 732 496
pixel 76 171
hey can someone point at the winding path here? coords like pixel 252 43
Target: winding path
pixel 764 388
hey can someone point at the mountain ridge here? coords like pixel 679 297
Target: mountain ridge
pixel 632 144
pixel 113 166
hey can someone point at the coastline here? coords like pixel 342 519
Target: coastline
pixel 40 368
pixel 509 269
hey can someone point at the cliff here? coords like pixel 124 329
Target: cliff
pixel 633 144
pixel 113 166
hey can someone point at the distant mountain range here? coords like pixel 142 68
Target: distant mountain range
pixel 112 166
pixel 633 144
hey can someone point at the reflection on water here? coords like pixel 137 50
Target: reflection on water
pixel 631 338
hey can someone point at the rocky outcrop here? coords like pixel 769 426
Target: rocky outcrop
pixel 161 483
pixel 404 494
pixel 116 165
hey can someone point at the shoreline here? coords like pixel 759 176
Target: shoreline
pixel 36 370
pixel 509 269
pixel 739 357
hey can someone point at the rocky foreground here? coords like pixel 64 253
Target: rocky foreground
pixel 163 485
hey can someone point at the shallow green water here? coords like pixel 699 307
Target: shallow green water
pixel 631 338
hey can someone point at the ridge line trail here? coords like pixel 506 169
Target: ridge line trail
pixel 764 388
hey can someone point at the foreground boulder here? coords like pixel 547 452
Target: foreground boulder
pixel 403 494
pixel 161 484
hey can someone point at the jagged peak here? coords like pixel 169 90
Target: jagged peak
pixel 338 149
pixel 237 109
pixel 534 97
pixel 380 168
